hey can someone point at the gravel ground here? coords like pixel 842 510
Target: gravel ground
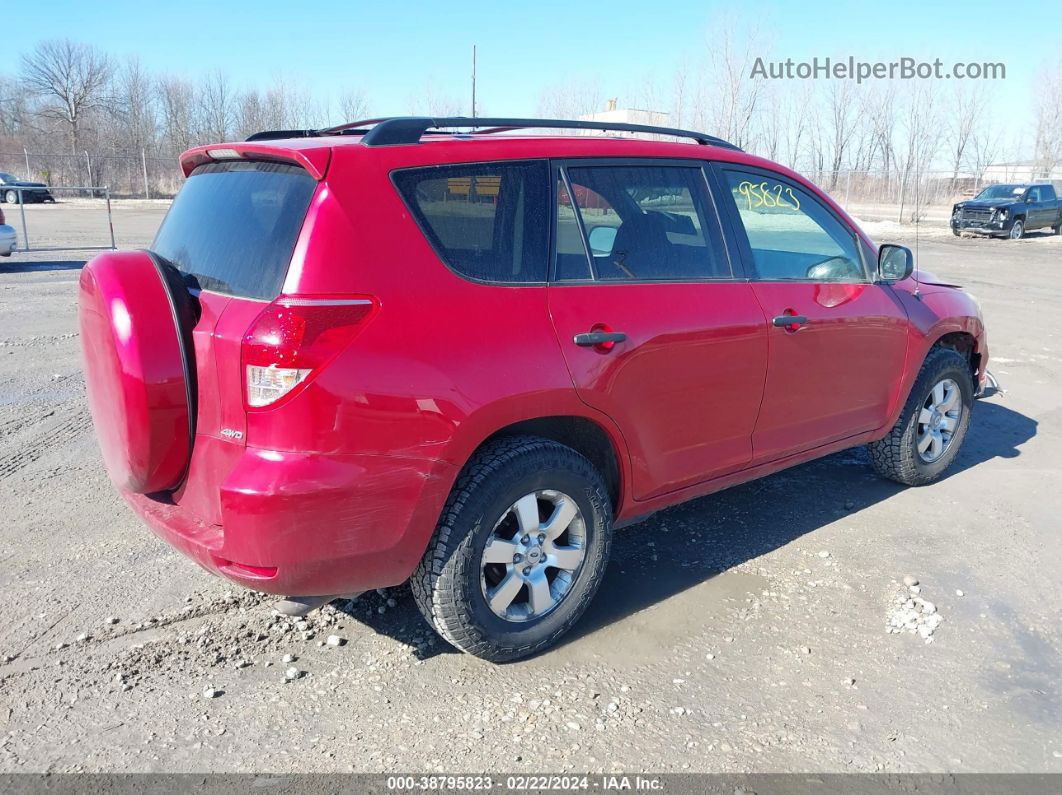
pixel 818 620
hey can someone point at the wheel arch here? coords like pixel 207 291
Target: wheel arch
pixel 584 435
pixel 962 342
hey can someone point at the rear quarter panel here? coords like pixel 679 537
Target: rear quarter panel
pixel 443 364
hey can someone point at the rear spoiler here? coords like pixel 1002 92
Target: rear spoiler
pixel 314 159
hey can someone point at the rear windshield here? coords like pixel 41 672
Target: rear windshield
pixel 233 226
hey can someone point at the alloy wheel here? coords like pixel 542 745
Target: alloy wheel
pixel 938 420
pixel 533 556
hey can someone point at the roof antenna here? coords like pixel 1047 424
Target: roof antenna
pixel 473 81
pixel 917 220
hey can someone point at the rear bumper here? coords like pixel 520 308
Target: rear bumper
pixel 8 239
pixel 307 525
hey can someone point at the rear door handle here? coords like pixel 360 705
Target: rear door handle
pixel 790 320
pixel 591 338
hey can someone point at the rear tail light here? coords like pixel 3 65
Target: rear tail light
pixel 295 336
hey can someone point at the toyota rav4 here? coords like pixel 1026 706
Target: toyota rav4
pixel 392 351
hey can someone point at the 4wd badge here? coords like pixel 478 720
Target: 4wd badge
pixel 229 433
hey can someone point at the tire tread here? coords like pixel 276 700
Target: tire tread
pixel 435 586
pixel 894 457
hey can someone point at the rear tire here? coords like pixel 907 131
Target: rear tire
pixel 898 456
pixel 479 586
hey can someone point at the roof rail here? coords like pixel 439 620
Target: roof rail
pixel 396 130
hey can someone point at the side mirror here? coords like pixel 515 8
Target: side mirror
pixel 602 239
pixel 895 263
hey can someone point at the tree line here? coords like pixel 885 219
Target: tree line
pixel 88 118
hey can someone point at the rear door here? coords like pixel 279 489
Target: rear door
pixel 838 341
pixel 1040 213
pixel 639 258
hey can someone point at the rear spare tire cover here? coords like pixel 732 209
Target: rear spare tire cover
pixel 136 319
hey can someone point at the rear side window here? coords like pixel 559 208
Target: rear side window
pixel 646 222
pixel 487 221
pixel 233 226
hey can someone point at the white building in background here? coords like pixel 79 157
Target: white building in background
pixel 653 118
pixel 1021 171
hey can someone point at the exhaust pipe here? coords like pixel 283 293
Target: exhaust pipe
pixel 299 606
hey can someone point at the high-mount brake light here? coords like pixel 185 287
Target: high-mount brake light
pixel 293 337
pixel 223 154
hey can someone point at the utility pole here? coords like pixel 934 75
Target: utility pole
pixel 143 163
pixel 473 81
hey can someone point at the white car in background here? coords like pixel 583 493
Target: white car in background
pixel 8 238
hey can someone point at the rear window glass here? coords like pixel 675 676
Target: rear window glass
pixel 487 221
pixel 233 226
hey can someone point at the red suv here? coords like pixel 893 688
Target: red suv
pixel 389 351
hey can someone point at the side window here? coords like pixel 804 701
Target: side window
pixel 646 222
pixel 487 221
pixel 792 235
pixel 571 254
pixel 1036 194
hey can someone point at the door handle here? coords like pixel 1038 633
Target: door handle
pixel 591 338
pixel 790 320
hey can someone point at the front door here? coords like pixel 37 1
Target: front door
pixel 837 339
pixel 655 329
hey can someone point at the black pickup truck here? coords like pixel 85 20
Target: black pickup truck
pixel 1009 211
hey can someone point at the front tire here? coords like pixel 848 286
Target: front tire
pixel 519 551
pixel 1017 232
pixel 934 422
pixel 11 197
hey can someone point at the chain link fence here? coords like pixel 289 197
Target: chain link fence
pixel 897 195
pixel 908 197
pixel 129 175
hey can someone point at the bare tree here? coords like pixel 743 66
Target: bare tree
pixel 353 105
pixel 14 107
pixel 1049 119
pixel 431 101
pixel 984 149
pixel 796 108
pixel 251 115
pixel 216 107
pixel 571 99
pixel 965 118
pixel 134 109
pixel 879 108
pixel 71 78
pixel 920 128
pixel 841 118
pixel 177 101
pixel 734 97
pixel 680 95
